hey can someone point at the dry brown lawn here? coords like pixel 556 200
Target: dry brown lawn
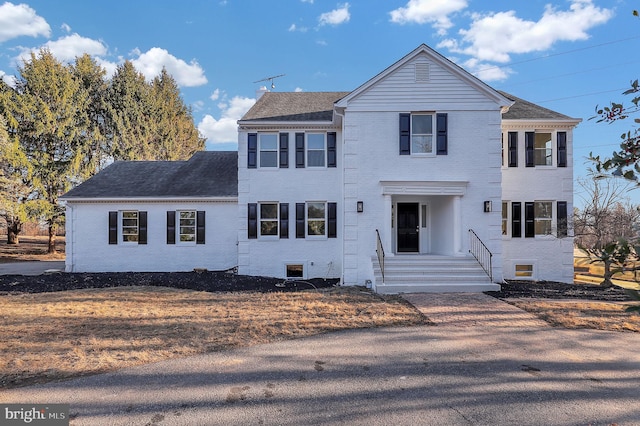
pixel 596 315
pixel 50 336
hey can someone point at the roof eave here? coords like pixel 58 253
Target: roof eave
pixel 171 199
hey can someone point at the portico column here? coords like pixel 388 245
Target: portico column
pixel 386 227
pixel 457 225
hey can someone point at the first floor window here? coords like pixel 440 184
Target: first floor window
pixel 505 218
pixel 316 219
pixel 187 226
pixel 130 226
pixel 268 219
pixel 543 217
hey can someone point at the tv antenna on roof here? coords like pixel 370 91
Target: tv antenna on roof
pixel 273 86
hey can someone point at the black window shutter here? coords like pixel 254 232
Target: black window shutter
pixel 142 227
pixel 300 232
pixel 405 134
pixel 332 217
pixel 284 150
pixel 529 140
pixel 529 220
pixel 252 150
pixel 300 150
pixel 332 156
pixel 562 149
pixel 171 227
pixel 284 220
pixel 516 220
pixel 200 226
pixel 562 219
pixel 512 142
pixel 252 218
pixel 441 136
pixel 113 227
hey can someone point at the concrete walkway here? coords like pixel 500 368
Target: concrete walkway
pixel 483 363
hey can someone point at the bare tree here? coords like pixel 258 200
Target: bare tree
pixel 607 223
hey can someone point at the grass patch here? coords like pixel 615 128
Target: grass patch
pixel 596 315
pixel 51 336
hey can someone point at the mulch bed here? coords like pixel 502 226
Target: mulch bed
pixel 199 281
pixel 555 290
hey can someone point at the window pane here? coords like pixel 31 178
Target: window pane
pixel 315 227
pixel 315 158
pixel 421 124
pixel 315 141
pixel 268 227
pixel 185 238
pixel 268 142
pixel 421 144
pixel 543 209
pixel 268 211
pixel 268 159
pixel 315 210
pixel 295 271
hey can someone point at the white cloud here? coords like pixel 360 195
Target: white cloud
pixel 298 89
pixel 21 20
pixel 66 28
pixel 337 16
pixel 294 28
pixel 225 130
pixel 66 49
pixel 215 95
pixel 486 71
pixel 435 12
pixel 151 62
pixel 495 36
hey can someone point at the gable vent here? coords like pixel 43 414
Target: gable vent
pixel 422 72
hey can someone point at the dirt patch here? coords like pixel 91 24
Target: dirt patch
pixel 555 290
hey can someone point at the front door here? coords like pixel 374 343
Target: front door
pixel 408 227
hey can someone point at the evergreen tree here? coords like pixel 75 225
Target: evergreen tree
pixel 50 112
pixel 176 137
pixel 129 112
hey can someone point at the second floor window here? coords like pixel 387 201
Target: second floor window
pixel 268 147
pixel 543 149
pixel 316 150
pixel 421 133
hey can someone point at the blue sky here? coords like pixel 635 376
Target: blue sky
pixel 566 55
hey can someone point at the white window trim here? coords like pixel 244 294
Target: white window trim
pixel 179 228
pixel 508 218
pixel 121 226
pixel 552 220
pixel 268 237
pixel 294 263
pixel 275 166
pixel 306 150
pixel 433 135
pixel 306 220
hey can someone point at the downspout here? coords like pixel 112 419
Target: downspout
pixel 337 112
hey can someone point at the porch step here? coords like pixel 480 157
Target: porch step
pixel 430 273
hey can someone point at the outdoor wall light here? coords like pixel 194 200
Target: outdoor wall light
pixel 487 206
pixel 360 206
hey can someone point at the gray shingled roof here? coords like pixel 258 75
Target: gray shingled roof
pixel 206 174
pixel 525 110
pixel 294 106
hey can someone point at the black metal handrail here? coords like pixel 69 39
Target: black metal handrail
pixel 482 254
pixel 380 253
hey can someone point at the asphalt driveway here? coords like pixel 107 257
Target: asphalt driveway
pixel 31 267
pixel 483 363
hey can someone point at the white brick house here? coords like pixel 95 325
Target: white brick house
pixel 423 162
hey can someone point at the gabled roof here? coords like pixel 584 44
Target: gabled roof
pixel 423 49
pixel 205 174
pixel 294 106
pixel 525 110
